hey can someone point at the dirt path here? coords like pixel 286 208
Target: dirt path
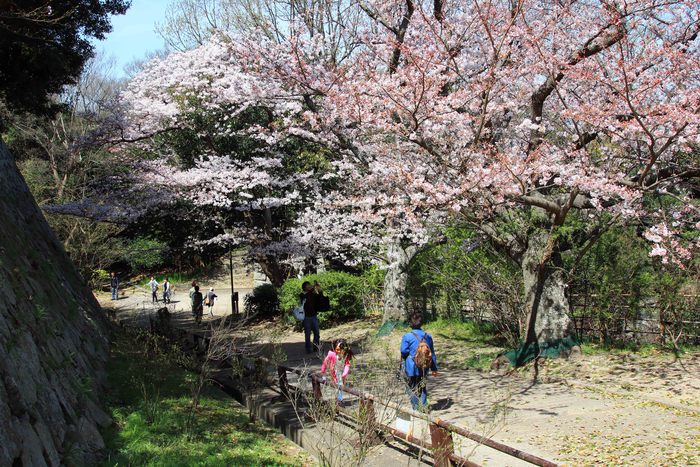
pixel 612 409
pixel 619 409
pixel 138 300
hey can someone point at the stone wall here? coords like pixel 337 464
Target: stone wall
pixel 53 344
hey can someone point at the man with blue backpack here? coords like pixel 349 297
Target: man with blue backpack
pixel 418 357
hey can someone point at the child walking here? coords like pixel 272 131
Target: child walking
pixel 210 299
pixel 337 362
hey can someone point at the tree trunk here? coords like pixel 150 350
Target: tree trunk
pixel 396 279
pixel 548 317
pixel 276 271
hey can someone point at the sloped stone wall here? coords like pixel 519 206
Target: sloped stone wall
pixel 53 344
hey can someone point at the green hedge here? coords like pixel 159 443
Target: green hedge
pixel 263 302
pixel 347 294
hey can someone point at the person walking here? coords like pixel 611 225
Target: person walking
pixel 166 291
pixel 194 284
pixel 314 301
pixel 337 363
pixel 114 286
pixel 209 301
pixel 418 355
pixel 154 290
pixel 197 305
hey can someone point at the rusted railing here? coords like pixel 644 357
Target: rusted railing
pixel 441 443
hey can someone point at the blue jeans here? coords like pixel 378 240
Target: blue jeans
pixel 115 293
pixel 418 388
pixel 339 379
pixel 311 324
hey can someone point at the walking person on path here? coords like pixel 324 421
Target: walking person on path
pixel 197 305
pixel 166 291
pixel 418 356
pixel 314 301
pixel 154 290
pixel 209 301
pixel 114 286
pixel 194 284
pixel 337 362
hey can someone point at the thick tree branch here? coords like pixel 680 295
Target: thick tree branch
pixel 373 14
pixel 438 12
pixel 400 36
pixel 604 39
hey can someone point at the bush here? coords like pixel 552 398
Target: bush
pixel 465 278
pixel 144 253
pixel 98 277
pixel 262 302
pixel 346 293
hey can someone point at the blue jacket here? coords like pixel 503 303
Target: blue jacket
pixel 409 345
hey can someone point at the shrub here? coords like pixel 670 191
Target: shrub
pixel 98 277
pixel 466 278
pixel 144 253
pixel 346 293
pixel 262 302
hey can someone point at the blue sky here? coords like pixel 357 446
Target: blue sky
pixel 133 34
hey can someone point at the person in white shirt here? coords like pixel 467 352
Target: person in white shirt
pixel 166 291
pixel 211 298
pixel 154 290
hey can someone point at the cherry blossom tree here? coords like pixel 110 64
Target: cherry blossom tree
pixel 219 149
pixel 510 115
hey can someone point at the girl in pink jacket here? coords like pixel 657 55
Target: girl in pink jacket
pixel 337 362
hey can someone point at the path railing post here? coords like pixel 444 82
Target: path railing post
pixel 443 446
pixel 316 385
pixel 284 382
pixel 368 422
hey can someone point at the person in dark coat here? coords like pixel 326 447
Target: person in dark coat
pixel 314 301
pixel 114 286
pixel 197 304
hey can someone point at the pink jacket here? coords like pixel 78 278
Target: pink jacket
pixel 330 361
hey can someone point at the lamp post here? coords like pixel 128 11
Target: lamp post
pixel 234 295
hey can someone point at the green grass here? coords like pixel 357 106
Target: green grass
pixel 202 275
pixel 150 402
pixel 642 350
pixel 464 344
pixel 466 331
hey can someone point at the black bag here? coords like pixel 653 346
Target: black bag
pixel 322 303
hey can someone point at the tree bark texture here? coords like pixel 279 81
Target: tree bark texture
pixel 396 279
pixel 548 317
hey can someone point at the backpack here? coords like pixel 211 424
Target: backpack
pixel 424 356
pixel 322 303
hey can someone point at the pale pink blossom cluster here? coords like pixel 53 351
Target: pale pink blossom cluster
pixel 666 245
pixel 446 120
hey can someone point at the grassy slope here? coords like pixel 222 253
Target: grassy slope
pixel 464 344
pixel 150 402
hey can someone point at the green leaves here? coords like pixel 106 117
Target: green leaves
pixel 348 294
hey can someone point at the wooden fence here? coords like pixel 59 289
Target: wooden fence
pixel 441 444
pixel 644 321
